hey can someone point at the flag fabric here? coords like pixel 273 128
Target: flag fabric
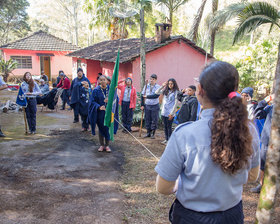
pixel 21 99
pixel 112 100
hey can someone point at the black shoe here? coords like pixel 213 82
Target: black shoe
pixel 148 135
pixel 256 189
pixel 76 121
pixel 2 134
pixel 153 134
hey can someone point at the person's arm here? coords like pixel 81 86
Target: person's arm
pixel 255 159
pixel 36 90
pixel 174 109
pixel 164 186
pixel 193 112
pixel 153 96
pixel 60 84
pixel 170 166
pixel 5 86
pixel 180 96
pixel 160 90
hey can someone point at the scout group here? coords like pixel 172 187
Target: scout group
pixel 209 156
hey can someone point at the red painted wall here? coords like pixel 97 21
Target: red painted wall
pixel 176 60
pixel 125 69
pixel 93 68
pixel 58 62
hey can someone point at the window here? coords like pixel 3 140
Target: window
pixel 23 61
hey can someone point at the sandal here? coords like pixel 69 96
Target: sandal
pixel 101 149
pixel 107 149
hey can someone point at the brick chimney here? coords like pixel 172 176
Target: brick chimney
pixel 163 31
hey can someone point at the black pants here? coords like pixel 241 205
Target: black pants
pixel 65 97
pixel 102 140
pixel 30 111
pixel 167 127
pixel 181 215
pixel 151 116
pixel 127 115
pixel 84 117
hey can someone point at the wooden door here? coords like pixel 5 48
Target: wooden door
pixel 47 66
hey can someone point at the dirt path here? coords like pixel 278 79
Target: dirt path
pixel 57 176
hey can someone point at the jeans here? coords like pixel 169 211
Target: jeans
pixel 167 127
pixel 30 111
pixel 127 115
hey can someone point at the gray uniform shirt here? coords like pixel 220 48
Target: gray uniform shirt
pixel 151 90
pixel 203 186
pixel 126 95
pixel 36 90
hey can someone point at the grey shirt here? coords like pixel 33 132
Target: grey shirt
pixel 36 90
pixel 203 186
pixel 126 96
pixel 169 103
pixel 151 90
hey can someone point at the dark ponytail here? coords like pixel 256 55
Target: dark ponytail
pixel 231 144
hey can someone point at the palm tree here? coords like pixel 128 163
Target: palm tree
pixel 215 4
pixel 6 68
pixel 172 6
pixel 193 34
pixel 249 19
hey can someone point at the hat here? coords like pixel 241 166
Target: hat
pixel 248 90
pixel 154 76
pixel 128 79
pixel 80 70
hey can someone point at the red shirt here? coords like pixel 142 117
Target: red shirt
pixel 64 83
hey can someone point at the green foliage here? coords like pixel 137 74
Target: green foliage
pixel 6 67
pixel 13 20
pixel 257 65
pixel 254 15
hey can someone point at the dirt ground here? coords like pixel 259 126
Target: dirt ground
pixel 57 175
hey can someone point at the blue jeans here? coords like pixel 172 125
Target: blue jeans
pixel 167 127
pixel 151 116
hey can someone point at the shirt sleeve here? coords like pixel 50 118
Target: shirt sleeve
pixel 2 83
pixel 255 161
pixel 171 163
pixel 173 111
pixel 36 90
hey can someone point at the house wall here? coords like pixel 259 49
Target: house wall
pixel 176 60
pixel 125 69
pixel 93 68
pixel 75 66
pixel 57 62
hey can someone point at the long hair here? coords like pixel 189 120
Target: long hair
pixel 231 141
pixel 30 82
pixel 175 87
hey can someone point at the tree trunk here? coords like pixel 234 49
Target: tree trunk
pixel 75 14
pixel 271 176
pixel 213 32
pixel 142 47
pixel 193 34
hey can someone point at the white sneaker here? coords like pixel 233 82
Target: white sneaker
pixel 164 142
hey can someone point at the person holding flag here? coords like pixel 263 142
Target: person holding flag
pixel 27 97
pixel 97 106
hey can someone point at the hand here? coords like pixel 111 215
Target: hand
pixel 142 107
pixel 106 100
pixel 183 90
pixel 102 108
pixel 28 93
pixel 164 84
pixel 170 117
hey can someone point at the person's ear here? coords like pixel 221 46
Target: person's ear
pixel 200 91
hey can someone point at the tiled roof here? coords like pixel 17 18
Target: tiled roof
pixel 129 49
pixel 41 41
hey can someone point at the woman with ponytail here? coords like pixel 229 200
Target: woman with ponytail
pixel 208 161
pixel 30 90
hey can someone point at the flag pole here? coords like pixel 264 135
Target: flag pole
pixel 25 122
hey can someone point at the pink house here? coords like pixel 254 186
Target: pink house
pixel 40 52
pixel 168 57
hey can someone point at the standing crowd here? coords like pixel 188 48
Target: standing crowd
pixel 211 154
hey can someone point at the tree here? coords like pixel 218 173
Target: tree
pixel 172 6
pixel 6 68
pixel 215 4
pixel 252 16
pixel 13 20
pixel 193 34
